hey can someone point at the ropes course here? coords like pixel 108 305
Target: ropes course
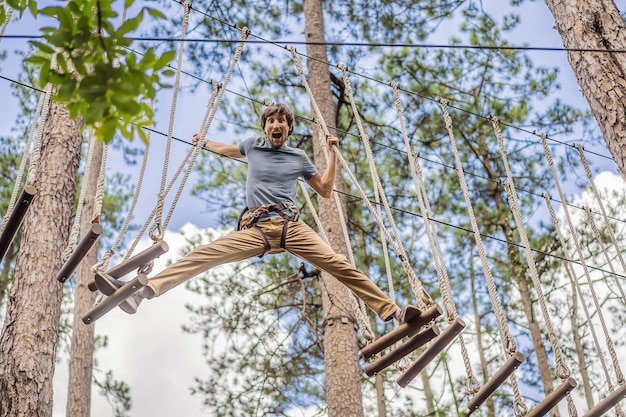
pixel 423 333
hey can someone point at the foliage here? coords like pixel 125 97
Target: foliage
pixel 87 62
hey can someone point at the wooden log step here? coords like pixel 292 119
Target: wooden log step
pixel 495 381
pixel 115 299
pixel 81 250
pixel 404 329
pixel 609 402
pixel 135 262
pixel 407 347
pixel 554 398
pixel 15 219
pixel 431 352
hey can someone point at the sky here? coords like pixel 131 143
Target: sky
pixel 148 350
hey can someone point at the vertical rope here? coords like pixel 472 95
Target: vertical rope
pixel 9 13
pixel 605 252
pixel 157 230
pixel 562 371
pixel 472 383
pixel 75 229
pixel 380 194
pixel 609 342
pixel 357 305
pixel 508 341
pixel 423 297
pixel 605 217
pixel 196 150
pixel 22 167
pixel 579 290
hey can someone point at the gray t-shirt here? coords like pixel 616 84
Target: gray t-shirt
pixel 273 173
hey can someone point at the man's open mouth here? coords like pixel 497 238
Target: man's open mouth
pixel 277 135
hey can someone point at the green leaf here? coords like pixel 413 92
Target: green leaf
pixel 67 89
pixel 44 74
pixel 155 13
pixel 51 11
pixel 130 25
pixel 42 47
pixel 165 59
pixel 37 60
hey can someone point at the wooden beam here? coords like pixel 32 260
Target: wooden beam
pixel 135 262
pixel 553 398
pixel 401 331
pixel 495 381
pixel 80 252
pixel 609 402
pixel 433 350
pixel 15 220
pixel 115 299
pixel 407 347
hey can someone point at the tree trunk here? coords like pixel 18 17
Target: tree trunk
pixel 428 394
pixel 597 24
pixel 491 411
pixel 580 347
pixel 81 361
pixel 342 373
pixel 379 384
pixel 30 333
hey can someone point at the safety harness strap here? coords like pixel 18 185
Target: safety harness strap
pixel 249 218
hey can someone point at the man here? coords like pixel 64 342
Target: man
pixel 270 224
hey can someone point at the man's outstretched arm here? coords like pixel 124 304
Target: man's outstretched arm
pixel 323 184
pixel 219 148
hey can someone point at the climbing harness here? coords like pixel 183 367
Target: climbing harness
pixel 249 218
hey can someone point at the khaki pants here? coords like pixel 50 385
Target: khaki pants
pixel 301 241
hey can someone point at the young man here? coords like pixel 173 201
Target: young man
pixel 271 225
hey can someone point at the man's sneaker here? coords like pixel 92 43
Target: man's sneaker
pixel 408 313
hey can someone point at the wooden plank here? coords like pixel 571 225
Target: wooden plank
pixel 80 252
pixel 609 402
pixel 15 219
pixel 554 398
pixel 115 299
pixel 401 331
pixel 433 350
pixel 495 381
pixel 407 347
pixel 141 259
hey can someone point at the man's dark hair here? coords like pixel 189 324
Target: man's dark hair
pixel 280 109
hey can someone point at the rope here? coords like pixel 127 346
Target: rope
pixel 22 167
pixel 360 312
pixel 214 100
pixel 605 217
pixel 472 383
pixel 196 150
pixel 609 342
pixel 423 297
pixel 8 14
pixel 508 341
pixel 381 196
pixel 562 371
pixel 157 231
pixel 579 290
pixel 75 229
pixel 605 252
pixel 33 166
pixel 357 306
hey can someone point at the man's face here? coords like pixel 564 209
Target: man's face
pixel 277 130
